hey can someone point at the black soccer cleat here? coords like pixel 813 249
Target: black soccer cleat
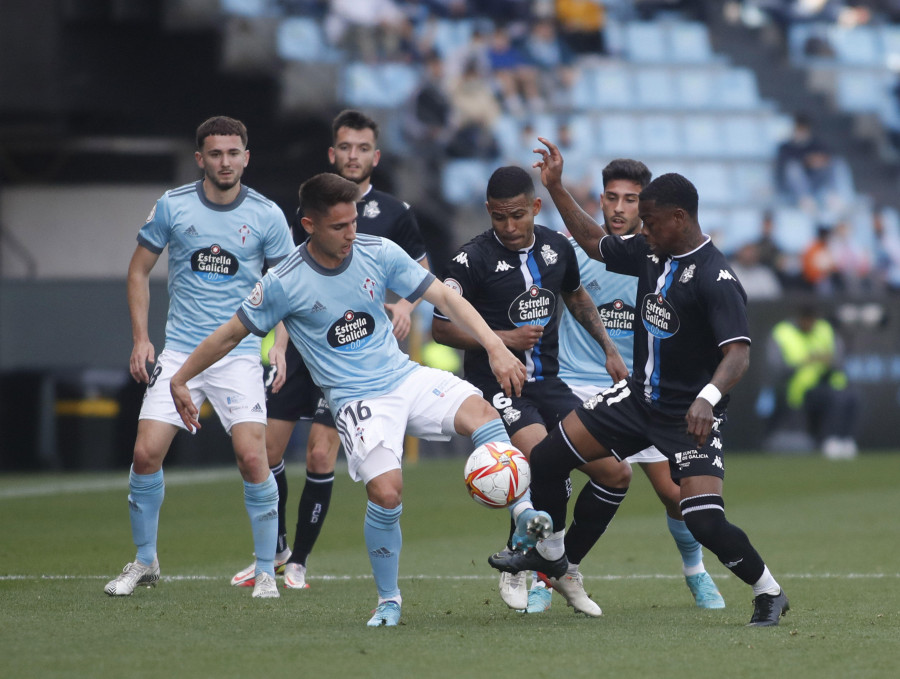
pixel 510 561
pixel 768 609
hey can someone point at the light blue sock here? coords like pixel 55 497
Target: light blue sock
pixel 691 551
pixel 384 541
pixel 145 497
pixel 261 500
pixel 490 431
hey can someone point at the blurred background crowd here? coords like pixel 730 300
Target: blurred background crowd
pixel 784 113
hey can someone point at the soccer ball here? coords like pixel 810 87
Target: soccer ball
pixel 497 474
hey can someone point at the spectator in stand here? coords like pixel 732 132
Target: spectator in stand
pixel 886 268
pixel 759 281
pixel 554 60
pixel 581 25
pixel 515 75
pixel 371 30
pixel 427 123
pixel 804 357
pixel 771 255
pixel 475 110
pixel 851 263
pixel 817 262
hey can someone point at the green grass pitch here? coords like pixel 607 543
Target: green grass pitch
pixel 829 531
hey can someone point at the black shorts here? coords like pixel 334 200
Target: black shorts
pixel 545 402
pixel 624 423
pixel 300 397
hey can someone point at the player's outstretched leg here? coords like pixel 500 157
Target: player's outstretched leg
pixel 384 542
pixel 703 589
pixel 261 501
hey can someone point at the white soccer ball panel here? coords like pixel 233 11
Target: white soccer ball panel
pixel 497 474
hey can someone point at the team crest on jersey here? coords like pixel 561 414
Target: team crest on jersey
pixel 535 306
pixel 687 274
pixel 244 231
pixel 659 316
pixel 502 266
pixel 592 402
pixel 214 263
pixel 369 286
pixel 371 210
pixel 354 330
pixel 511 415
pixel 548 255
pixel 618 318
pixel 462 258
pixel 256 297
pixel 454 285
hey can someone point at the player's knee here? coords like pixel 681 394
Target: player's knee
pixel 552 458
pixel 610 472
pixel 704 516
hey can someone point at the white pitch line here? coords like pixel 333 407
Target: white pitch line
pixel 59 486
pixel 491 577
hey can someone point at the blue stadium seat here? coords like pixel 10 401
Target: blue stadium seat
pixel 703 135
pixel 302 39
pixel 861 90
pixel 250 8
pixel 378 85
pixel 794 229
pixel 713 182
pixel 696 87
pixel 619 135
pixel 656 88
pixel 753 182
pixel 689 42
pixel 464 180
pixel 447 35
pixel 645 42
pixel 857 45
pixel 737 89
pixel 661 135
pixel 744 136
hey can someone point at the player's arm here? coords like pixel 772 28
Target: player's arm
pixel 580 224
pixel 734 363
pixel 276 357
pixel 142 353
pixel 225 338
pixel 401 311
pixel 583 309
pixel 508 370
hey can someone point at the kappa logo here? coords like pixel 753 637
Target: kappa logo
pixel 653 258
pixel 716 443
pixel 725 275
pixel 371 210
pixel 190 231
pixel 318 306
pixel 502 266
pixel 462 258
pixel 687 274
pixel 549 256
pixel 717 462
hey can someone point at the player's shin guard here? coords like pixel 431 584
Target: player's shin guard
pixel 145 497
pixel 383 542
pixel 311 513
pixel 261 501
pixel 705 518
pixel 594 510
pixel 551 461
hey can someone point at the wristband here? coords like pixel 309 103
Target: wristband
pixel 710 393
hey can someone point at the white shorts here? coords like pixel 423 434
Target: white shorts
pixel 647 455
pixel 423 405
pixel 233 385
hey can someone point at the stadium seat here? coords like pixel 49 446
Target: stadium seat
pixel 302 39
pixel 744 136
pixel 645 42
pixel 619 135
pixel 447 36
pixel 713 182
pixel 794 229
pixel 378 85
pixel 656 88
pixel 703 135
pixel 696 87
pixel 856 46
pixel 737 89
pixel 250 8
pixel 464 180
pixel 861 90
pixel 753 181
pixel 689 42
pixel 662 134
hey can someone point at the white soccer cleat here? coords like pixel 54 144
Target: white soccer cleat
pixel 245 578
pixel 135 574
pixel 295 576
pixel 571 586
pixel 514 590
pixel 265 587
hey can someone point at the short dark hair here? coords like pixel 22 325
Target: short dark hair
pixel 508 182
pixel 673 190
pixel 323 191
pixel 355 120
pixel 221 125
pixel 627 169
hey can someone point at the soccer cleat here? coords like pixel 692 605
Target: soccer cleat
pixel 515 562
pixel 531 526
pixel 245 578
pixel 386 615
pixel 571 586
pixel 514 588
pixel 539 600
pixel 265 587
pixel 705 592
pixel 295 576
pixel 768 609
pixel 135 574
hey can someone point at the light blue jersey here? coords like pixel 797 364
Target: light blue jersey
pixel 216 254
pixel 336 317
pixel 581 361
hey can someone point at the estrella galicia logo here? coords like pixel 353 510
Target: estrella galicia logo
pixel 354 330
pixel 214 263
pixel 535 306
pixel 618 318
pixel 659 316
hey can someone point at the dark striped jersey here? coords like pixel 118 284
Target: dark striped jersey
pixel 514 288
pixel 688 307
